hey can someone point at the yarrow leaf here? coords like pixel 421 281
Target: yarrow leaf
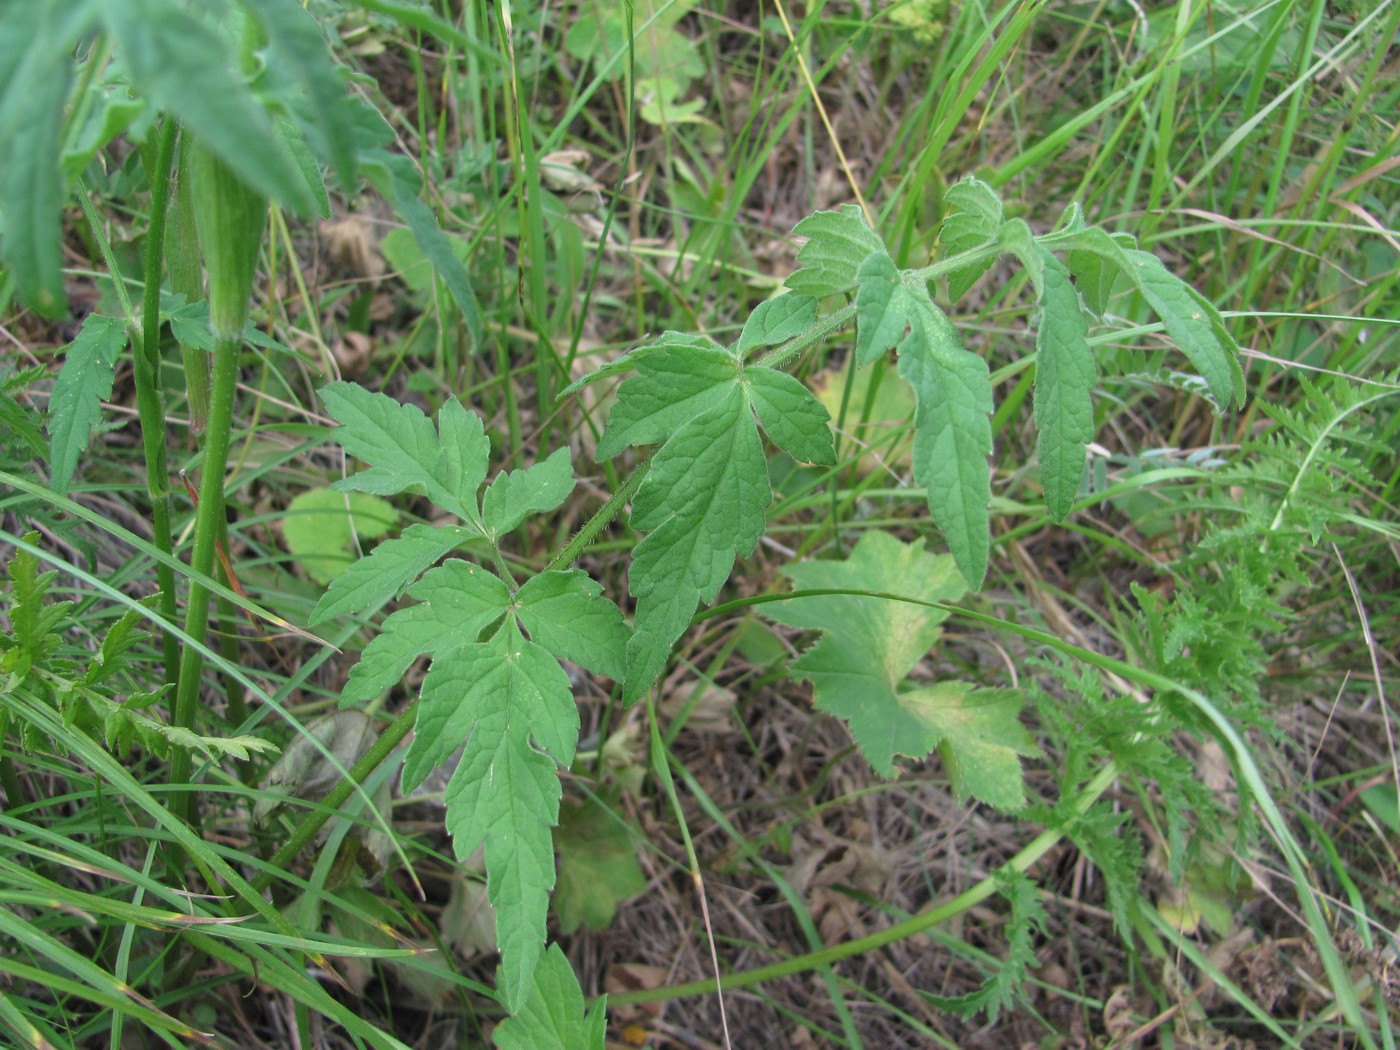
pixel 869 644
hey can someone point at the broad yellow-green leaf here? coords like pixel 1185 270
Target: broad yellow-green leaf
pixel 320 525
pixel 869 644
pixel 598 867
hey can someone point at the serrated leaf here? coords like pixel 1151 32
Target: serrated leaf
pixel 566 613
pixel 533 490
pixel 403 450
pixel 598 867
pixel 980 739
pixel 1194 324
pixel 190 69
pixel 387 570
pixel 973 221
pixel 553 1017
pixel 703 502
pixel 633 358
pixel 670 388
pixel 459 601
pixel 952 433
pixel 36 41
pixel 83 383
pixel 777 321
pixel 838 242
pixel 795 420
pixel 319 526
pixel 1188 322
pixel 869 644
pixel 1065 373
pixel 882 308
pixel 496 697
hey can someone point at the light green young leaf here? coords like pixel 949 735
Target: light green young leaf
pixel 320 526
pixel 36 42
pixel 384 573
pixel 189 68
pixel 509 702
pixel 1065 371
pixel 839 241
pixel 777 321
pixel 670 388
pixel 458 601
pixel 973 221
pixel 553 1016
pixel 869 644
pixel 567 615
pixel 1096 276
pixel 534 490
pixel 84 381
pixel 952 433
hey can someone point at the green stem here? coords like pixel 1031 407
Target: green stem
pixel 369 761
pixel 150 405
pixel 959 905
pixel 209 517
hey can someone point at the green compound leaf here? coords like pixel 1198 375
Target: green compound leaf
pixel 404 450
pixel 869 644
pixel 1065 372
pixel 496 697
pixel 459 601
pixel 383 574
pixel 553 1016
pixel 1194 324
pixel 777 321
pixel 83 383
pixel 973 221
pixel 704 496
pixel 671 387
pixel 953 397
pixel 516 494
pixel 839 242
pixel 566 613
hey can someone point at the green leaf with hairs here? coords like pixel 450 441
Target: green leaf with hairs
pixel 703 500
pixel 83 383
pixel 973 221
